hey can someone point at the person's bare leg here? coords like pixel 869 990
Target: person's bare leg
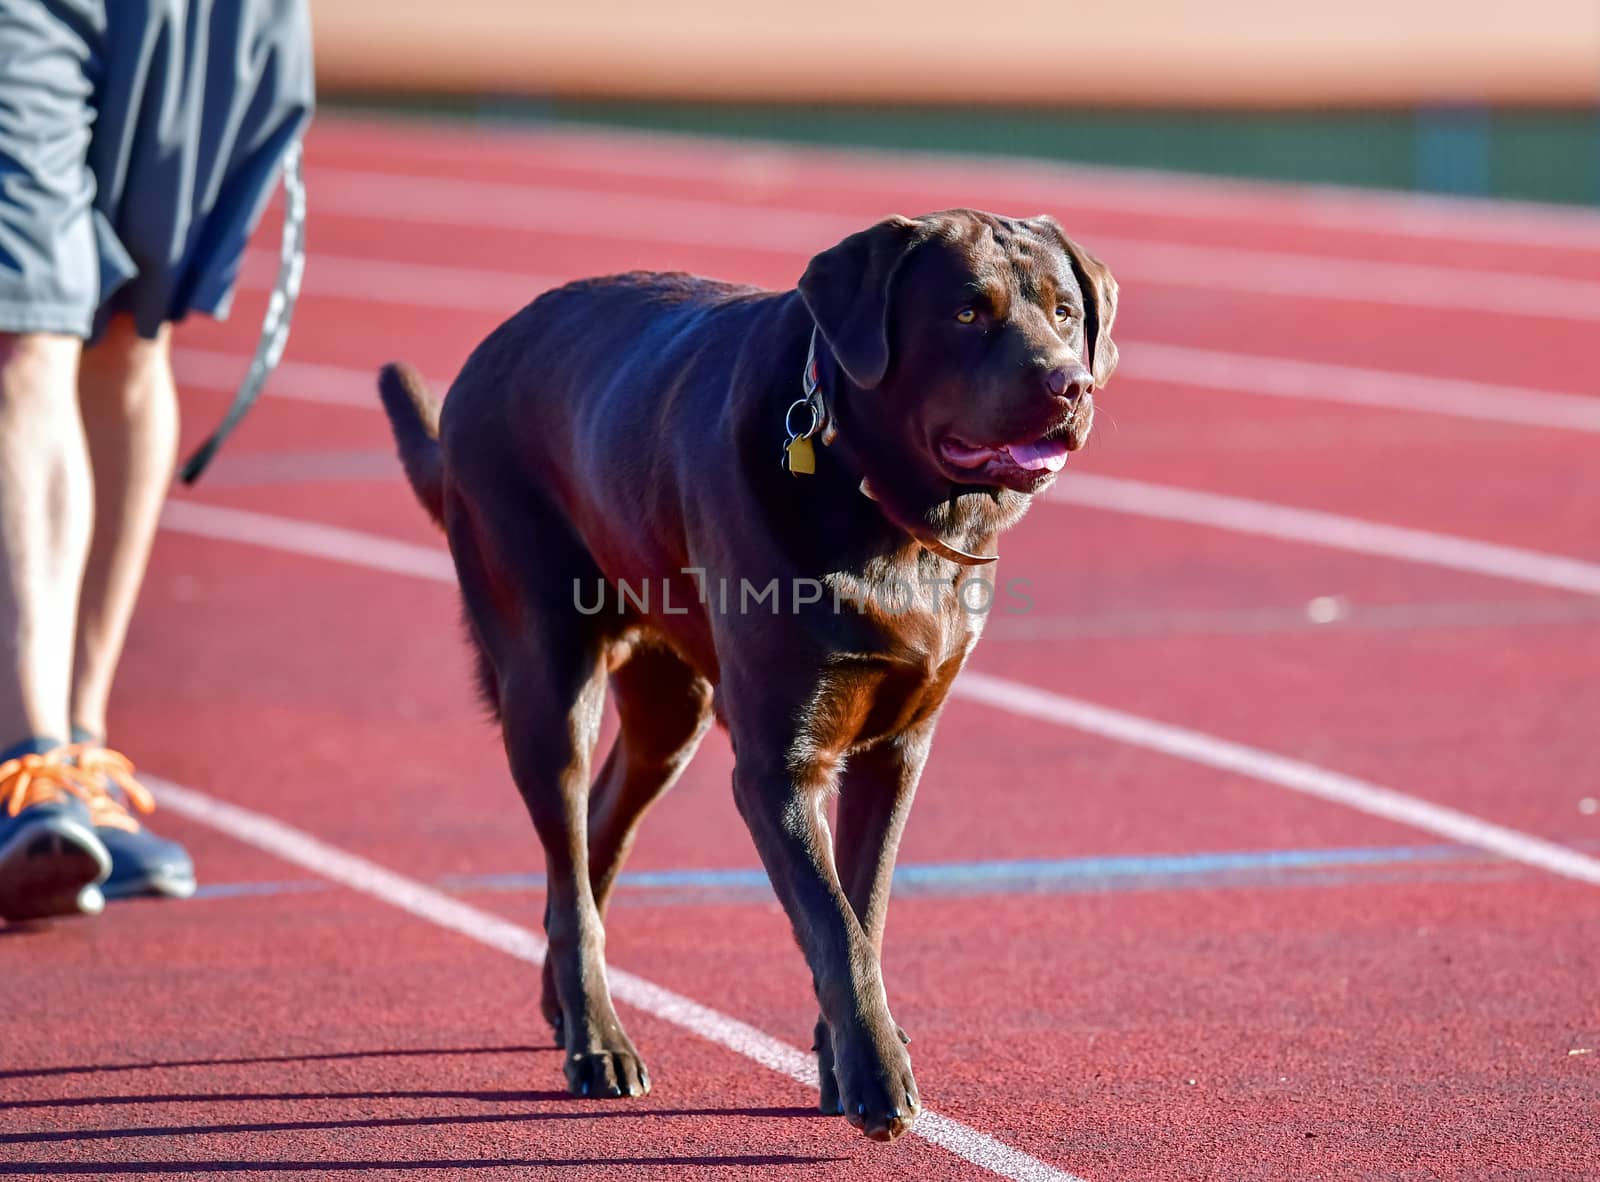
pixel 130 416
pixel 46 512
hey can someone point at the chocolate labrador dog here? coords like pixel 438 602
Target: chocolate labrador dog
pixel 776 509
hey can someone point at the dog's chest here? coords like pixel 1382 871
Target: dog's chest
pixel 865 697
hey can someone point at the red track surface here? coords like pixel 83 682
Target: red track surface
pixel 1423 1023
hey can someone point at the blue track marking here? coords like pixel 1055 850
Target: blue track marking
pixel 1142 872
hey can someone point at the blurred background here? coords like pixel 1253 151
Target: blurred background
pixel 1338 524
pixel 1469 98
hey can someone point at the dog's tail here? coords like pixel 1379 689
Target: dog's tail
pixel 414 418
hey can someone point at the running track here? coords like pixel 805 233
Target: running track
pixel 1264 846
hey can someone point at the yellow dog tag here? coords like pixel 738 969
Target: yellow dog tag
pixel 801 457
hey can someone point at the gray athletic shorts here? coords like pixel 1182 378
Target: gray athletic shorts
pixel 140 141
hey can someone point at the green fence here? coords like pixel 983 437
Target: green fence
pixel 1537 155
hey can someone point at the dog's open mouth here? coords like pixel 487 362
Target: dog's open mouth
pixel 1023 466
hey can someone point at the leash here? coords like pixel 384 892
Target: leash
pixel 275 323
pixel 800 455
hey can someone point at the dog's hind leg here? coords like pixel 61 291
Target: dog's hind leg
pixel 664 708
pixel 548 666
pixel 551 700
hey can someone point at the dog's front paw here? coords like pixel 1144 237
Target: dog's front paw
pixel 829 1102
pixel 871 1083
pixel 605 1074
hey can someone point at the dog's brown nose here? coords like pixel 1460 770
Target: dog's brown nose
pixel 1071 382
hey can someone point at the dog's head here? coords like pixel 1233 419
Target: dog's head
pixel 974 344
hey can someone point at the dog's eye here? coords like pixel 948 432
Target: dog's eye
pixel 966 316
pixel 1063 312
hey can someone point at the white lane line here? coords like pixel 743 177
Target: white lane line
pixel 746 165
pixel 369 878
pixel 571 212
pixel 411 285
pixel 1173 365
pixel 302 381
pixel 1138 498
pixel 1031 702
pixel 1442 218
pixel 1359 281
pixel 708 224
pixel 309 538
pixel 1269 768
pixel 1282 377
pixel 1314 528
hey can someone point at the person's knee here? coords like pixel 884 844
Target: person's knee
pixel 126 383
pixel 121 357
pixel 37 370
pixel 45 489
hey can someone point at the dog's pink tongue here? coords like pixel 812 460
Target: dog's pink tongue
pixel 1042 453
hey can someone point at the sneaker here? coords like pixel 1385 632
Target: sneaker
pixel 142 863
pixel 51 860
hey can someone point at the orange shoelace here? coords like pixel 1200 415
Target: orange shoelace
pixel 84 770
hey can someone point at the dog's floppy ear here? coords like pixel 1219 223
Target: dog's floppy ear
pixel 846 289
pixel 1099 304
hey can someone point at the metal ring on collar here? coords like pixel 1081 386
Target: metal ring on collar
pixel 788 419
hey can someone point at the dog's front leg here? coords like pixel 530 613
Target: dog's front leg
pixel 784 802
pixel 874 801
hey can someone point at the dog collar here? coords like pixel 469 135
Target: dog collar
pixel 800 457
